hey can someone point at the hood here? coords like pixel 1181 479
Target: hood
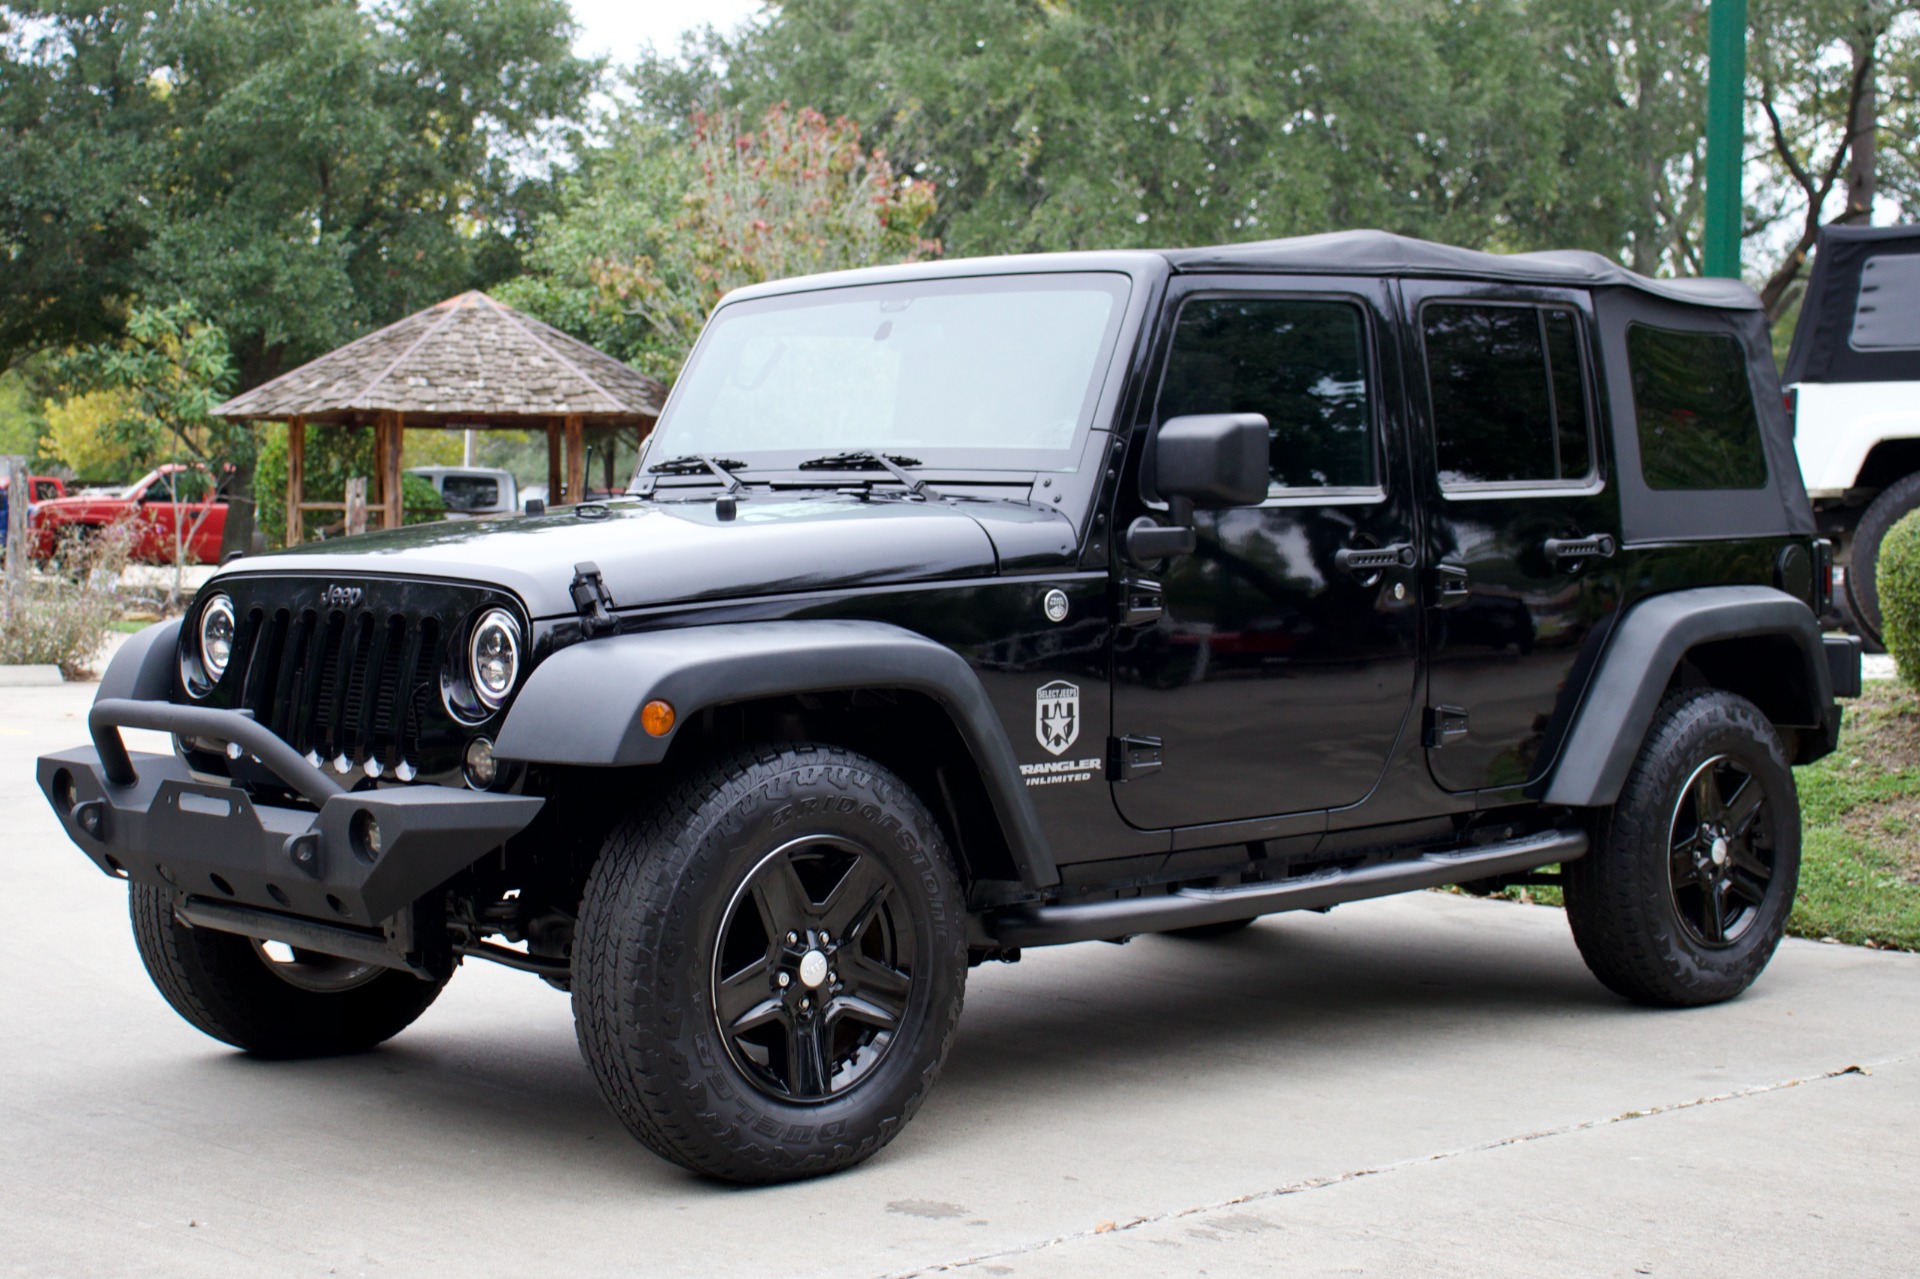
pixel 663 552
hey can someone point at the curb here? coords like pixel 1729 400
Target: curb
pixel 30 677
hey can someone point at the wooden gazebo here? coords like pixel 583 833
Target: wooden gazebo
pixel 468 363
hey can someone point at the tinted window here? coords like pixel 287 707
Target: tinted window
pixel 470 493
pixel 1694 407
pixel 1508 397
pixel 1300 362
pixel 1886 316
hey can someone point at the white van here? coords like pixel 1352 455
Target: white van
pixel 471 491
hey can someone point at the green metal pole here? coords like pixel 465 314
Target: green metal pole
pixel 1726 134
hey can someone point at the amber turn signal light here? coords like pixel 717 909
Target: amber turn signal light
pixel 657 718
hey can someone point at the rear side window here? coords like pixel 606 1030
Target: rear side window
pixel 470 493
pixel 1694 407
pixel 1300 361
pixel 1508 391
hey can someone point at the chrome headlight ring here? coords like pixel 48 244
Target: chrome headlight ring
pixel 493 657
pixel 215 636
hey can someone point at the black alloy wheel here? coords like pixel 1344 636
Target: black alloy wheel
pixel 1685 892
pixel 770 963
pixel 814 970
pixel 1719 861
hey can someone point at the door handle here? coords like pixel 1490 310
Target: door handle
pixel 1367 561
pixel 1450 586
pixel 1598 547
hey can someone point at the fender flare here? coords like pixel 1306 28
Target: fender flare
pixel 1642 654
pixel 142 670
pixel 581 706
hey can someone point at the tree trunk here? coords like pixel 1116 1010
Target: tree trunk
pixel 238 535
pixel 1862 142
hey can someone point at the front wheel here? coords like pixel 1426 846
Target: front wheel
pixel 271 1002
pixel 769 965
pixel 1685 893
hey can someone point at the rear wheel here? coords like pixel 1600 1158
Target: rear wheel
pixel 268 999
pixel 769 965
pixel 1863 588
pixel 1684 896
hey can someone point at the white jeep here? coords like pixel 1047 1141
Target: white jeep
pixel 1853 392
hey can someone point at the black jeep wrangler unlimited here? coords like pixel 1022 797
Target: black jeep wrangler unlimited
pixel 965 607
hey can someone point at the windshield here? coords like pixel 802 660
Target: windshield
pixel 995 373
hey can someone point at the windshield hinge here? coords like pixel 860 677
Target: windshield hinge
pixel 591 601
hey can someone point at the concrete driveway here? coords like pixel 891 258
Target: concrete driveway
pixel 1425 1085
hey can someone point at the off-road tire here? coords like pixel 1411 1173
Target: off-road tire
pixel 644 991
pixel 1620 898
pixel 1208 932
pixel 221 985
pixel 1863 588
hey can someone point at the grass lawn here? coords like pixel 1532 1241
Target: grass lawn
pixel 1860 818
pixel 1860 809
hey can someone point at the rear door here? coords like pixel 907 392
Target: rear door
pixel 1523 531
pixel 1272 672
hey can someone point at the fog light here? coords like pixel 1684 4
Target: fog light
pixel 481 766
pixel 366 834
pixel 657 718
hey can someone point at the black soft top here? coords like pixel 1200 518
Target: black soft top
pixel 1380 253
pixel 1860 320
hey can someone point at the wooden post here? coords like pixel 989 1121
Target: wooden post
pixel 356 505
pixel 554 473
pixel 296 479
pixel 396 439
pixel 576 460
pixel 19 493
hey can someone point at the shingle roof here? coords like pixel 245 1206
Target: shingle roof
pixel 470 356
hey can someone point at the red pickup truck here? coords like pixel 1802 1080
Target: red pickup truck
pixel 182 498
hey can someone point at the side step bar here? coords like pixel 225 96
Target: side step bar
pixel 1186 907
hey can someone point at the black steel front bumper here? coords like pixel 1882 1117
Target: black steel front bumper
pixel 147 818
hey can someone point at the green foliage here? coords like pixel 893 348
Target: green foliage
pixel 335 454
pixel 59 622
pixel 21 423
pixel 160 384
pixel 1860 810
pixel 305 169
pixel 659 227
pixel 1898 582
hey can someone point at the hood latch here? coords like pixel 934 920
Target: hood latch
pixel 592 601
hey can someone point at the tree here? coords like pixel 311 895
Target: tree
pixel 1816 82
pixel 668 227
pixel 299 170
pixel 1118 123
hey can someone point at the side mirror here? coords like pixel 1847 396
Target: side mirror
pixel 1214 460
pixel 1210 462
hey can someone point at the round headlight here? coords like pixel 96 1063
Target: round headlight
pixel 493 657
pixel 216 637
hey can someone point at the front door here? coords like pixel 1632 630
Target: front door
pixel 1522 536
pixel 1281 668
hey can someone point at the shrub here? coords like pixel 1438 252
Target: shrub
pixel 62 620
pixel 1899 588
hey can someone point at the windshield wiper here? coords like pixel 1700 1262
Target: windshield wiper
pixel 696 463
pixel 867 459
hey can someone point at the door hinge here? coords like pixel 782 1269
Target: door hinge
pixel 1443 724
pixel 1133 756
pixel 1141 603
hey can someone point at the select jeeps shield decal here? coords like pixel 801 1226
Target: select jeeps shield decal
pixel 1056 715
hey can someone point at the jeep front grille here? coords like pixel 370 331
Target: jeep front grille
pixel 338 683
pixel 355 679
